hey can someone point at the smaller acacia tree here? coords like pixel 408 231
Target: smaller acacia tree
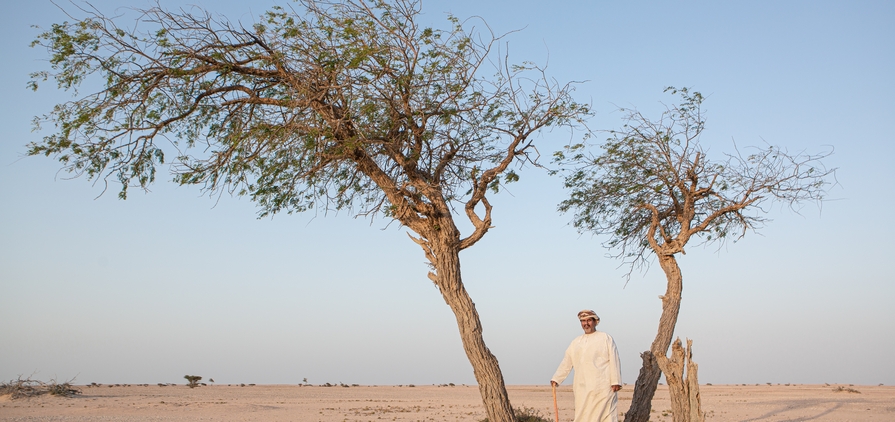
pixel 652 190
pixel 193 380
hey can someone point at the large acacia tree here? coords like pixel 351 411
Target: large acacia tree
pixel 338 105
pixel 652 190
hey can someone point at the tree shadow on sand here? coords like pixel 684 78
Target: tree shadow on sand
pixel 800 405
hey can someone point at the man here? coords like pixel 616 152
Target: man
pixel 598 372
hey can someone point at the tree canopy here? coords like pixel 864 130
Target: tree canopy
pixel 344 105
pixel 652 187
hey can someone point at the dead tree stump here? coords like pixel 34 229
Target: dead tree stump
pixel 683 388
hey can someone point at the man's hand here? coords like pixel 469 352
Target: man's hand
pixel 616 387
pixel 553 383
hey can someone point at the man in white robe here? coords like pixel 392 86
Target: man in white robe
pixel 598 372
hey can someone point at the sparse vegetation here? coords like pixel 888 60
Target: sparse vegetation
pixel 28 387
pixel 841 389
pixel 193 380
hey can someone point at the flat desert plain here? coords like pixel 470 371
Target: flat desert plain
pixel 430 403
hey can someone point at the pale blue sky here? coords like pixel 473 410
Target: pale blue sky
pixel 170 283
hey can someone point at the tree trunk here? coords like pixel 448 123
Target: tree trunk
pixel 682 388
pixel 696 413
pixel 645 388
pixel 484 364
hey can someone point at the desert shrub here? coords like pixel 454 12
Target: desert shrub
pixel 193 380
pixel 65 389
pixel 841 389
pixel 28 387
pixel 527 414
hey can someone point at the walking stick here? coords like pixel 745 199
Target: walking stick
pixel 555 408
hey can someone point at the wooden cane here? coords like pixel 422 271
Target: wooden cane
pixel 555 408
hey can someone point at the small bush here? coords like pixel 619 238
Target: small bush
pixel 527 414
pixel 841 389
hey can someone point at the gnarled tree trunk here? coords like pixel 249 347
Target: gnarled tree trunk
pixel 446 251
pixel 648 379
pixel 683 388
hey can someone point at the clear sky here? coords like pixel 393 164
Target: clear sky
pixel 171 283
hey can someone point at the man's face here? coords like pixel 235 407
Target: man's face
pixel 589 325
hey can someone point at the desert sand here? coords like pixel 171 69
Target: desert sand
pixel 429 403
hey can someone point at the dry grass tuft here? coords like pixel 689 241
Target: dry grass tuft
pixel 28 387
pixel 840 389
pixel 526 414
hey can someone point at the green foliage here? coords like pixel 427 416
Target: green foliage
pixel 343 105
pixel 652 187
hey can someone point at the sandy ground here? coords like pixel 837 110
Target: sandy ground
pixel 429 403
